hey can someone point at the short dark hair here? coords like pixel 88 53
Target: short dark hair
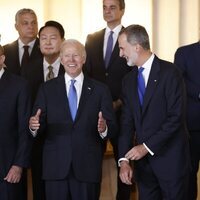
pixel 121 4
pixel 136 34
pixel 56 25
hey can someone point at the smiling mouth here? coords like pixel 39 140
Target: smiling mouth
pixel 71 65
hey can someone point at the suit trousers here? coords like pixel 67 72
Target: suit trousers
pixel 195 157
pixel 151 187
pixel 10 191
pixel 71 189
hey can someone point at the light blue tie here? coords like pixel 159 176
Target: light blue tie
pixel 109 49
pixel 72 98
pixel 141 85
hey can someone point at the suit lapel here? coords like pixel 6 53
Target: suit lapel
pixel 61 70
pixel 35 53
pixel 152 83
pixel 61 92
pixel 3 81
pixel 134 92
pixel 115 52
pixel 85 94
pixel 100 40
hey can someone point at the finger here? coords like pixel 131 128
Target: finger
pixel 129 155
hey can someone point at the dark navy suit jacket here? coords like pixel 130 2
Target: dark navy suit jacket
pixel 15 107
pixel 32 71
pixel 95 66
pixel 187 58
pixel 73 144
pixel 160 123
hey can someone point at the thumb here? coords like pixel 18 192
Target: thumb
pixel 100 115
pixel 38 113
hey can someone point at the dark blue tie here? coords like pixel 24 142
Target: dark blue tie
pixel 72 97
pixel 141 85
pixel 109 49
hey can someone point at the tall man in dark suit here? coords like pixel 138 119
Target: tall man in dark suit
pixel 188 60
pixel 27 26
pixel 72 153
pixel 51 36
pixel 21 53
pixel 15 142
pixel 109 71
pixel 154 113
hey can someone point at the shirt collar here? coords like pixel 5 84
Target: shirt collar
pixel 148 63
pixel 116 30
pixel 30 44
pixel 79 78
pixel 56 63
pixel 1 72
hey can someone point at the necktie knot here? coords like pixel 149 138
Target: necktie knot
pixel 141 85
pixel 73 81
pixel 140 70
pixel 26 47
pixel 109 49
pixel 50 74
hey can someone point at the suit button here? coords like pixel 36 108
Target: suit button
pixel 106 74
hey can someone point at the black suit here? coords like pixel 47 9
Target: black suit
pixel 15 143
pixel 36 79
pixel 73 147
pixel 13 64
pixel 160 124
pixel 188 60
pixel 35 76
pixel 112 77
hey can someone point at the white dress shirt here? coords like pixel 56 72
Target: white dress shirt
pixel 21 48
pixel 116 31
pixel 1 72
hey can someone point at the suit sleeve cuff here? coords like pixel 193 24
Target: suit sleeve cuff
pixel 122 159
pixel 104 134
pixel 149 150
pixel 33 132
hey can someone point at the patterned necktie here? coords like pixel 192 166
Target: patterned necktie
pixel 141 85
pixel 72 98
pixel 50 74
pixel 109 49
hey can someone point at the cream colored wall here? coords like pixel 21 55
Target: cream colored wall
pixel 170 23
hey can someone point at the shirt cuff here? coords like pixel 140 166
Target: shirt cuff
pixel 149 150
pixel 33 132
pixel 122 159
pixel 104 134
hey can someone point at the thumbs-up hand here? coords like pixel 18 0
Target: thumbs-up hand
pixel 101 123
pixel 34 123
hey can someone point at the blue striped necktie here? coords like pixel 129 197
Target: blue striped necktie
pixel 72 98
pixel 109 49
pixel 141 85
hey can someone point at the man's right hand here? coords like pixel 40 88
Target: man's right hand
pixel 34 122
pixel 125 173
